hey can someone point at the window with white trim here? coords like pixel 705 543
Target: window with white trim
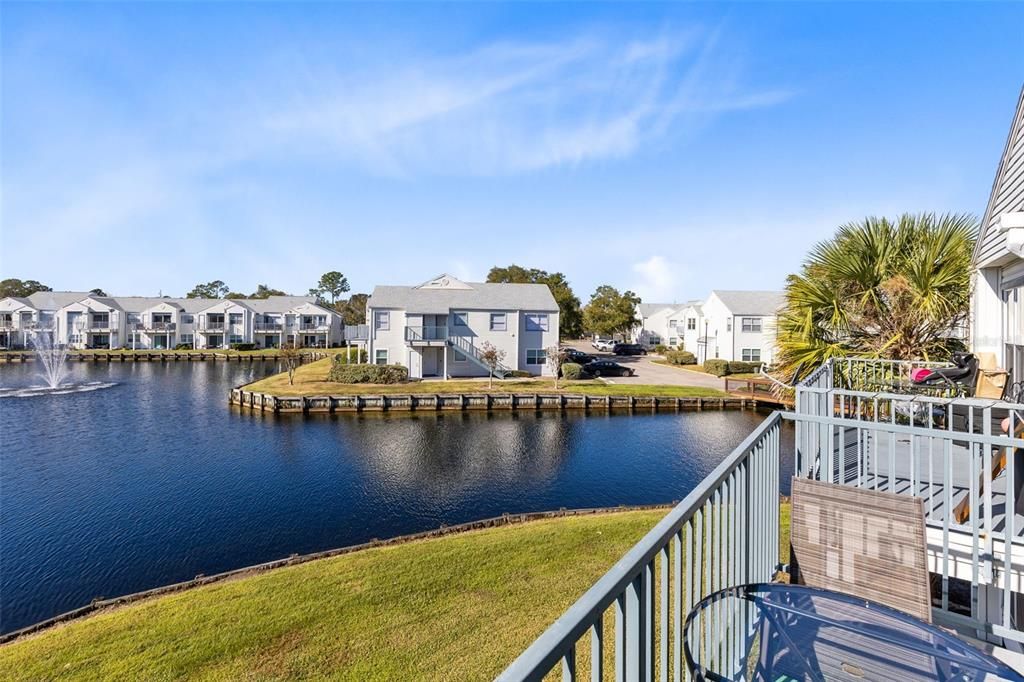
pixel 728 324
pixel 458 356
pixel 536 356
pixel 235 318
pixel 187 338
pixel 235 338
pixel 672 341
pixel 382 320
pixel 536 322
pixel 498 322
pixel 380 356
pixel 672 324
pixel 751 324
pixel 187 319
pixel 691 323
pixel 751 355
pixel 460 319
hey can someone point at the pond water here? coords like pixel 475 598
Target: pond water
pixel 156 480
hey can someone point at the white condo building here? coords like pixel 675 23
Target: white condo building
pixel 731 325
pixel 84 320
pixel 438 328
pixel 997 315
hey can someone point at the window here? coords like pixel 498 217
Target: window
pixel 460 319
pixel 536 322
pixel 458 356
pixel 672 341
pixel 382 322
pixel 235 318
pixel 751 354
pixel 380 356
pixel 498 322
pixel 691 323
pixel 751 324
pixel 235 338
pixel 188 319
pixel 672 324
pixel 187 338
pixel 536 356
pixel 728 324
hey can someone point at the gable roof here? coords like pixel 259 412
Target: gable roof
pixel 54 300
pixel 1007 193
pixel 279 304
pixel 433 300
pixel 648 309
pixel 751 302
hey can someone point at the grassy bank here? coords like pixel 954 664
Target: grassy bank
pixel 311 379
pixel 454 608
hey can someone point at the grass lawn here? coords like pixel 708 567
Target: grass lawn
pixel 455 608
pixel 311 380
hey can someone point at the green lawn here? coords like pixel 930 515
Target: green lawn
pixel 454 608
pixel 700 368
pixel 311 379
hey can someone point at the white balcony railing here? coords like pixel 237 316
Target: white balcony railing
pixel 724 533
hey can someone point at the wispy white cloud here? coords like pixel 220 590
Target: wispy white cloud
pixel 510 108
pixel 657 280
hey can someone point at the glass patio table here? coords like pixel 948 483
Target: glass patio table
pixel 778 632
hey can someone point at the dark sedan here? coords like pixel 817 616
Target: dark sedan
pixel 607 368
pixel 578 356
pixel 629 349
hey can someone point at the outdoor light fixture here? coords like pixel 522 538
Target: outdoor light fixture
pixel 1013 225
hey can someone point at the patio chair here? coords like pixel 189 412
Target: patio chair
pixel 866 543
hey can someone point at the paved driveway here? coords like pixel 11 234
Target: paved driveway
pixel 649 373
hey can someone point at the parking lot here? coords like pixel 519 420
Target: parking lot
pixel 647 372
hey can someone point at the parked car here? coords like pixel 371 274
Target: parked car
pixel 606 368
pixel 629 349
pixel 603 344
pixel 578 356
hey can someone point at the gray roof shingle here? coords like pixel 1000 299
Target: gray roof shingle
pixel 480 296
pixel 751 302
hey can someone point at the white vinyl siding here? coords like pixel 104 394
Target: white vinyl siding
pixel 535 356
pixel 499 322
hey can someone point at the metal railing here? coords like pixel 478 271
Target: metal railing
pixel 428 333
pixel 726 532
pixel 308 326
pixel 161 326
pixel 211 326
pixel 268 326
pixel 959 455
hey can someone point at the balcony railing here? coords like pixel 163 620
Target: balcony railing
pixel 95 325
pixel 268 326
pixel 428 333
pixel 7 324
pixel 161 326
pixel 956 454
pixel 726 532
pixel 314 326
pixel 211 326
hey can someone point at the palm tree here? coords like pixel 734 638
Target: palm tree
pixel 880 289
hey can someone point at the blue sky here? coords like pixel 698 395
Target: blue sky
pixel 667 148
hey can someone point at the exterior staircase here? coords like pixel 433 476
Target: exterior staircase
pixel 465 346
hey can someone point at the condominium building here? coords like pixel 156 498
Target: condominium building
pixel 439 328
pixel 84 320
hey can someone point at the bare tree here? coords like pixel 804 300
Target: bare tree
pixel 491 356
pixel 292 358
pixel 555 357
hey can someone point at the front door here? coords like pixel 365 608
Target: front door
pixel 431 362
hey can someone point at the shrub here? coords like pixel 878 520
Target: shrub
pixel 716 366
pixel 661 349
pixel 358 356
pixel 367 374
pixel 242 346
pixel 572 371
pixel 183 346
pixel 518 374
pixel 681 357
pixel 738 367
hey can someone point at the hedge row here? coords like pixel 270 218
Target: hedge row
pixel 680 357
pixel 367 374
pixel 721 368
pixel 342 358
pixel 572 371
